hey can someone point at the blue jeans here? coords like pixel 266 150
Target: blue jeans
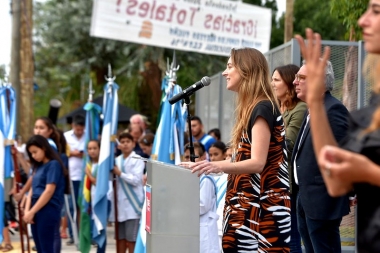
pixel 46 228
pixel 295 237
pixel 76 186
pixel 319 236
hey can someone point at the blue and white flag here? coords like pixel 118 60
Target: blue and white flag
pixel 8 125
pixel 7 135
pixel 106 161
pixel 168 145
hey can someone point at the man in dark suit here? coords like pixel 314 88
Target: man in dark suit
pixel 318 215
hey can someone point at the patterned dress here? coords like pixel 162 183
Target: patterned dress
pixel 257 208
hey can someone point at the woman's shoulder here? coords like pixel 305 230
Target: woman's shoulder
pixel 300 106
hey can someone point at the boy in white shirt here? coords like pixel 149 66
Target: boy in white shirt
pixel 130 193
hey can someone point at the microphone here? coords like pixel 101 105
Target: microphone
pixel 205 81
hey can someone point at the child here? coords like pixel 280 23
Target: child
pixel 209 242
pixel 130 193
pixel 217 152
pixel 93 150
pixel 45 200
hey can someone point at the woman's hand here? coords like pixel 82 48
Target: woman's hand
pixel 202 167
pixel 343 165
pixel 28 217
pixel 315 64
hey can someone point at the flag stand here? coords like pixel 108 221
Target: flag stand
pixel 20 213
pixel 191 146
pixel 114 184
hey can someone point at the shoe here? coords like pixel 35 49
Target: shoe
pixel 7 247
pixel 34 248
pixel 70 242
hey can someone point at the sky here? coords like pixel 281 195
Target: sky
pixel 6 32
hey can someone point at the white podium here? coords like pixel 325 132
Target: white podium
pixel 174 209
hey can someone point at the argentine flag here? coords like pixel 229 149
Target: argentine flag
pixel 106 161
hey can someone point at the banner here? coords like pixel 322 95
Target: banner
pixel 203 26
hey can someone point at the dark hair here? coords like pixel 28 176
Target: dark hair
pixel 219 145
pixel 79 120
pixel 42 143
pixel 147 139
pixel 62 142
pixel 125 135
pixel 216 132
pixel 197 145
pixel 287 73
pixel 197 119
pixel 94 140
pixel 55 134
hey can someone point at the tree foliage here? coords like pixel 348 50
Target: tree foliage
pixel 348 13
pixel 316 15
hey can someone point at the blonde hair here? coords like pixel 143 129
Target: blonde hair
pixel 253 88
pixel 371 70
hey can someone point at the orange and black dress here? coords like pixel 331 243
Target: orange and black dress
pixel 257 207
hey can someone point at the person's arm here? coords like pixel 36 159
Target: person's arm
pixel 294 124
pixel 135 175
pixel 322 133
pixel 18 196
pixel 344 166
pixel 41 202
pixel 259 152
pixel 207 191
pixel 28 201
pixel 89 175
pixel 25 165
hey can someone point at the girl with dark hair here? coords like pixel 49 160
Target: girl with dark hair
pixel 45 200
pixel 293 111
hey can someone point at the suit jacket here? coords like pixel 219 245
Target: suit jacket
pixel 293 120
pixel 313 194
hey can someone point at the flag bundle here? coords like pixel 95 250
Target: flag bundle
pixel 106 159
pixel 91 133
pixel 169 139
pixel 168 145
pixel 7 135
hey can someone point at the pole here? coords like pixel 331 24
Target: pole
pixel 191 145
pixel 114 184
pixel 288 34
pixel 14 75
pixel 26 73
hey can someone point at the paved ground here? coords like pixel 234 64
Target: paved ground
pixel 111 247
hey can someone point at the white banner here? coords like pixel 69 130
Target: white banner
pixel 203 26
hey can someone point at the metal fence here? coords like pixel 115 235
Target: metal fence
pixel 215 104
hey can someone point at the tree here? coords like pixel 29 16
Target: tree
pixel 348 13
pixel 306 15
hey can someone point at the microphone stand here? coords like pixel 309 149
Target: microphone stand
pixel 191 146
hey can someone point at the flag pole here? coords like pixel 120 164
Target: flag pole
pixel 110 80
pixel 114 184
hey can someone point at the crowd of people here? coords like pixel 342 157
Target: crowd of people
pixel 294 159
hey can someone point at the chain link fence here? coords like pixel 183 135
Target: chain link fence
pixel 215 104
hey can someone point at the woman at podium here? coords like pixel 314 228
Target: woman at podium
pixel 257 203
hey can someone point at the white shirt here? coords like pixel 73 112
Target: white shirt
pixel 295 158
pixel 208 234
pixel 75 163
pixel 131 174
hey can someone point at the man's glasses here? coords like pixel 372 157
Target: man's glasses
pixel 299 77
